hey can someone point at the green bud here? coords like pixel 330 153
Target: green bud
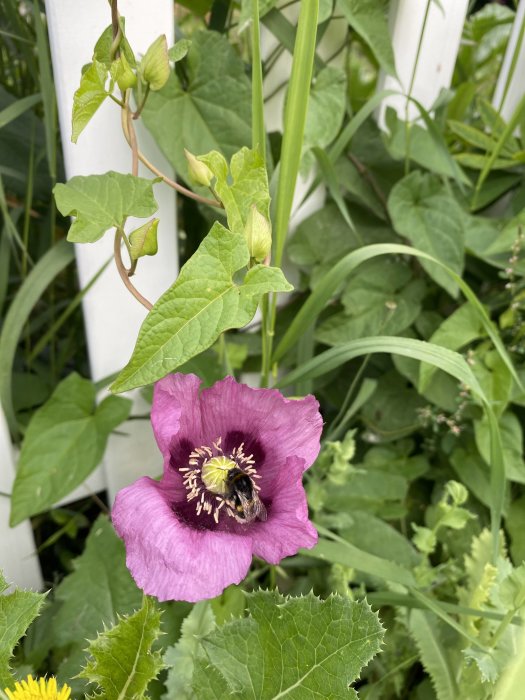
pixel 198 171
pixel 155 66
pixel 258 232
pixel 457 492
pixel 143 240
pixel 122 73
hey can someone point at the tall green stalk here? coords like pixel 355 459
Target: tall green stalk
pixel 294 124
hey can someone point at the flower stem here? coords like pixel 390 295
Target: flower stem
pixel 124 272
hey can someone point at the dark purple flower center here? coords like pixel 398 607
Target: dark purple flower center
pixel 218 479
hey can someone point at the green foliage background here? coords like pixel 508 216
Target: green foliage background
pixel 407 322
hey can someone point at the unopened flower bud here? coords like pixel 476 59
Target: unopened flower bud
pixel 155 66
pixel 143 241
pixel 122 73
pixel 258 232
pixel 198 171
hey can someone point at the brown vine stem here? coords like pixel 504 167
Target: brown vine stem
pixel 175 185
pixel 124 272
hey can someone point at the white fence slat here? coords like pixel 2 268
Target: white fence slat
pixel 437 55
pixel 18 560
pixel 507 101
pixel 112 316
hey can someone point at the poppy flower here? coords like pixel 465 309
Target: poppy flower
pixel 231 487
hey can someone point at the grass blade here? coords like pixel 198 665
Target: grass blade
pixel 37 281
pixel 17 108
pixel 258 130
pixel 48 89
pixel 331 282
pixel 295 119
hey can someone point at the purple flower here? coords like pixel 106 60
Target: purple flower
pixel 232 487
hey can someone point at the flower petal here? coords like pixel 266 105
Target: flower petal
pixel 287 528
pixel 284 427
pixel 176 410
pixel 169 559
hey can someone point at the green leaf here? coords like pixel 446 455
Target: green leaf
pixel 89 96
pixel 123 662
pixel 203 302
pixel 100 202
pixel 511 684
pixel 337 550
pixel 64 442
pixel 34 285
pixel 212 107
pixel 179 50
pixel 368 18
pixel 180 658
pixel 301 648
pixel 17 611
pixel 326 108
pixel 102 50
pixel 471 135
pixel 381 298
pixel 143 240
pixel 424 628
pixel 424 211
pixel 91 598
pixel 457 330
pixel 244 185
pixel 512 439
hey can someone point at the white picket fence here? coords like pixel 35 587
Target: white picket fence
pixel 112 318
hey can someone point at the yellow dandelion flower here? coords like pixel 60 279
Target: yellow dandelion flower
pixel 40 689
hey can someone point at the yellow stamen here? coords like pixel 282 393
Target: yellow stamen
pixel 40 689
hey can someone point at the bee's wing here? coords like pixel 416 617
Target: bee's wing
pixel 259 508
pixel 252 507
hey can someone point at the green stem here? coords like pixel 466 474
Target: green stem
pixel 502 627
pixel 137 114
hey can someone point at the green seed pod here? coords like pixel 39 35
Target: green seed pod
pixel 122 73
pixel 155 66
pixel 258 232
pixel 198 171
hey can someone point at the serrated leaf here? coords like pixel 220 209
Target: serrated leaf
pixel 123 662
pixel 143 240
pixel 88 98
pixel 212 108
pixel 300 648
pixel 424 628
pixel 101 202
pixel 180 658
pixel 91 598
pixel 203 302
pixel 17 611
pixel 241 186
pixel 64 442
pixel 368 18
pixel 179 50
pixel 424 211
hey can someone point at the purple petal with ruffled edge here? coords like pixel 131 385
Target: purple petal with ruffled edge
pixel 287 528
pixel 283 427
pixel 167 558
pixel 174 553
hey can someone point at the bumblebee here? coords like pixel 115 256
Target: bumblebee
pixel 243 498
